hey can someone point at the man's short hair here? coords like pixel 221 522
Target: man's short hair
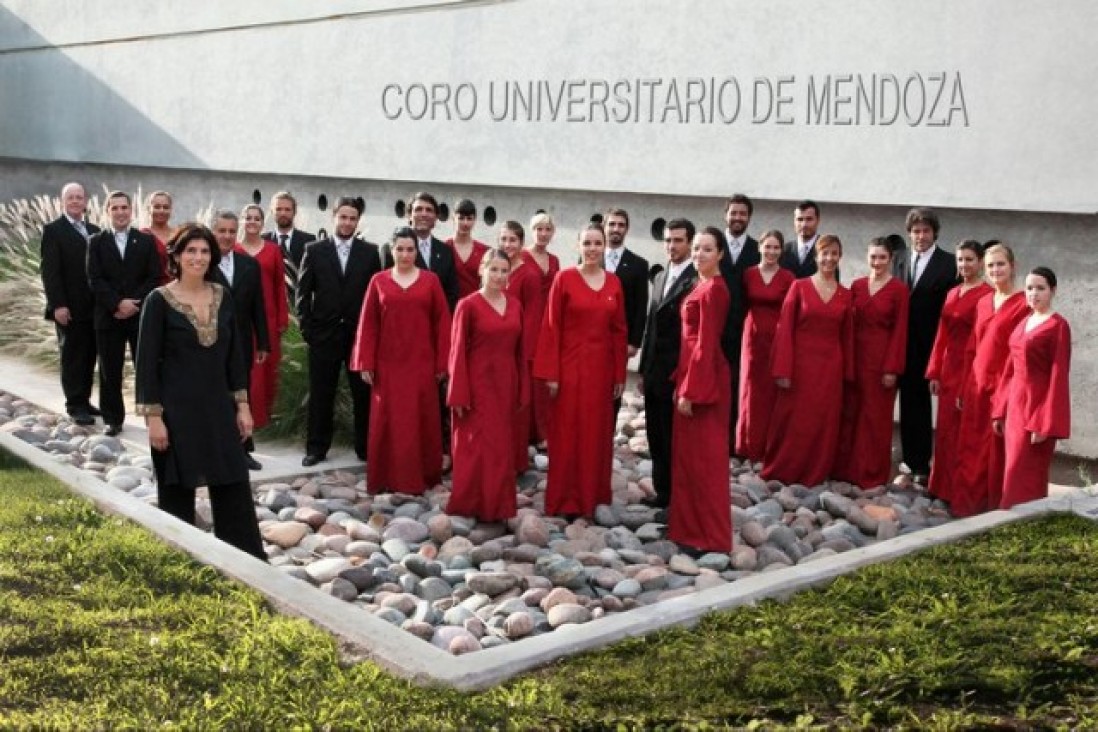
pixel 807 204
pixel 354 203
pixel 120 194
pixel 285 196
pixel 921 215
pixel 741 198
pixel 224 213
pixel 465 207
pixel 617 212
pixel 425 197
pixel 682 224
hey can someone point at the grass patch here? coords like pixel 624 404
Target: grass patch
pixel 102 626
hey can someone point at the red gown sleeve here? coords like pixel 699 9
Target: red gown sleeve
pixel 941 342
pixel 364 354
pixel 457 392
pixel 440 316
pixel 700 382
pixel 1052 417
pixel 1001 396
pixel 547 355
pixel 619 334
pixel 896 356
pixel 781 360
pixel 523 355
pixel 847 334
pixel 528 295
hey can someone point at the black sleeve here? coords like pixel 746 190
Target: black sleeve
pixel 306 284
pixel 105 295
pixel 150 349
pixel 52 280
pixel 640 307
pixel 153 265
pixel 259 312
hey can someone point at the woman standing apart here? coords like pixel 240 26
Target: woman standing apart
pixel 581 355
pixel 813 356
pixel 548 266
pixel 159 205
pixel 191 389
pixel 946 368
pixel 880 349
pixel 1033 408
pixel 488 371
pixel 402 346
pixel 978 475
pixel 524 285
pixel 765 287
pixel 264 383
pixel 701 514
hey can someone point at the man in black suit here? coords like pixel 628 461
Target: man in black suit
pixel 743 252
pixel 123 267
pixel 240 273
pixel 632 271
pixel 431 253
pixel 291 242
pixel 69 301
pixel 334 276
pixel 929 273
pixel 799 255
pixel 660 351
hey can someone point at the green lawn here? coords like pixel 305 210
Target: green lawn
pixel 101 626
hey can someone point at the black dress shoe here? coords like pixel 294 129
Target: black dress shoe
pixel 113 429
pixel 251 462
pixel 310 460
pixel 94 411
pixel 82 417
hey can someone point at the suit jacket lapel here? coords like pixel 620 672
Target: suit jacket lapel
pixel 686 279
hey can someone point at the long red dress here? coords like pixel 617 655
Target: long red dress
pixel 524 285
pixel 404 339
pixel 468 270
pixel 488 378
pixel 541 404
pixel 582 347
pixel 1034 398
pixel 757 388
pixel 864 455
pixel 701 513
pixel 814 349
pixel 978 475
pixel 947 366
pixel 264 379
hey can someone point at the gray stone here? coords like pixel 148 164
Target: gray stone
pixel 606 516
pixel 489 552
pixel 888 530
pixel 682 564
pixel 566 613
pixel 663 549
pixel 361 577
pixel 406 529
pixel 865 523
pixel 620 538
pixel 491 583
pixel 652 578
pixel 457 615
pixel 714 561
pixel 561 571
pixel 396 548
pixel 434 588
pixel 341 589
pixel 650 532
pixel 753 533
pixel 768 554
pixel 627 588
pixel 518 625
pixel 836 505
pixel 744 558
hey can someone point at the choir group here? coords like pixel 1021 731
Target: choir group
pixel 457 350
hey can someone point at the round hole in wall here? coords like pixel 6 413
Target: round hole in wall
pixel 322 202
pixel 322 234
pixel 257 197
pixel 399 208
pixel 490 215
pixel 539 211
pixel 596 218
pixel 654 270
pixel 658 226
pixel 443 212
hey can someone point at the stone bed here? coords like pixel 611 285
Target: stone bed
pixel 464 585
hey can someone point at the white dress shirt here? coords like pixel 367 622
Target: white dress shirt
pixel 227 267
pixel 674 271
pixel 120 239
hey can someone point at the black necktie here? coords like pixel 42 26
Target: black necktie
pixel 284 240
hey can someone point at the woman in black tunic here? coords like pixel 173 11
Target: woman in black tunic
pixel 192 390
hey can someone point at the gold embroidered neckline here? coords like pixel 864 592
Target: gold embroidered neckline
pixel 207 334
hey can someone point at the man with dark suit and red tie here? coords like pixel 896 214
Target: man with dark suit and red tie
pixel 431 253
pixel 930 272
pixel 742 252
pixel 334 276
pixel 659 354
pixel 69 300
pixel 291 242
pixel 240 273
pixel 123 268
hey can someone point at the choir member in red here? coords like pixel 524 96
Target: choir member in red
pixel 813 356
pixel 1033 406
pixel 946 368
pixel 467 250
pixel 864 457
pixel 581 355
pixel 159 204
pixel 978 471
pixel 549 265
pixel 402 348
pixel 701 514
pixel 523 284
pixel 765 286
pixel 263 388
pixel 488 377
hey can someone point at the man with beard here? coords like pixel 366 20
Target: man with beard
pixel 632 270
pixel 799 255
pixel 742 253
pixel 291 242
pixel 432 253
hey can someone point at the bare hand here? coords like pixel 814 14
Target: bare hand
pixel 1036 438
pixel 632 351
pixel 554 387
pixel 888 381
pixel 784 383
pixel 244 421
pixel 368 377
pixel 158 433
pixel 685 407
pixel 997 427
pixel 126 309
pixel 619 389
pixel 460 412
pixel 260 356
pixel 935 386
pixel 62 316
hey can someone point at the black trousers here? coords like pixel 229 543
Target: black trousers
pixel 233 513
pixel 77 344
pixel 916 425
pixel 325 363
pixel 659 413
pixel 111 345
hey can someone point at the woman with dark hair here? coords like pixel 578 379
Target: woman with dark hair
pixel 523 284
pixel 764 287
pixel 159 206
pixel 467 250
pixel 978 474
pixel 401 349
pixel 488 378
pixel 581 355
pixel 701 516
pixel 946 369
pixel 813 356
pixel 191 388
pixel 1033 406
pixel 880 348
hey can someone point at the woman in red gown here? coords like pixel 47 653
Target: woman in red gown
pixel 813 356
pixel 159 204
pixel 401 348
pixel 1033 408
pixel 548 265
pixel 880 349
pixel 523 284
pixel 581 355
pixel 701 513
pixel 272 269
pixel 978 473
pixel 488 370
pixel 467 250
pixel 946 369
pixel 765 287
